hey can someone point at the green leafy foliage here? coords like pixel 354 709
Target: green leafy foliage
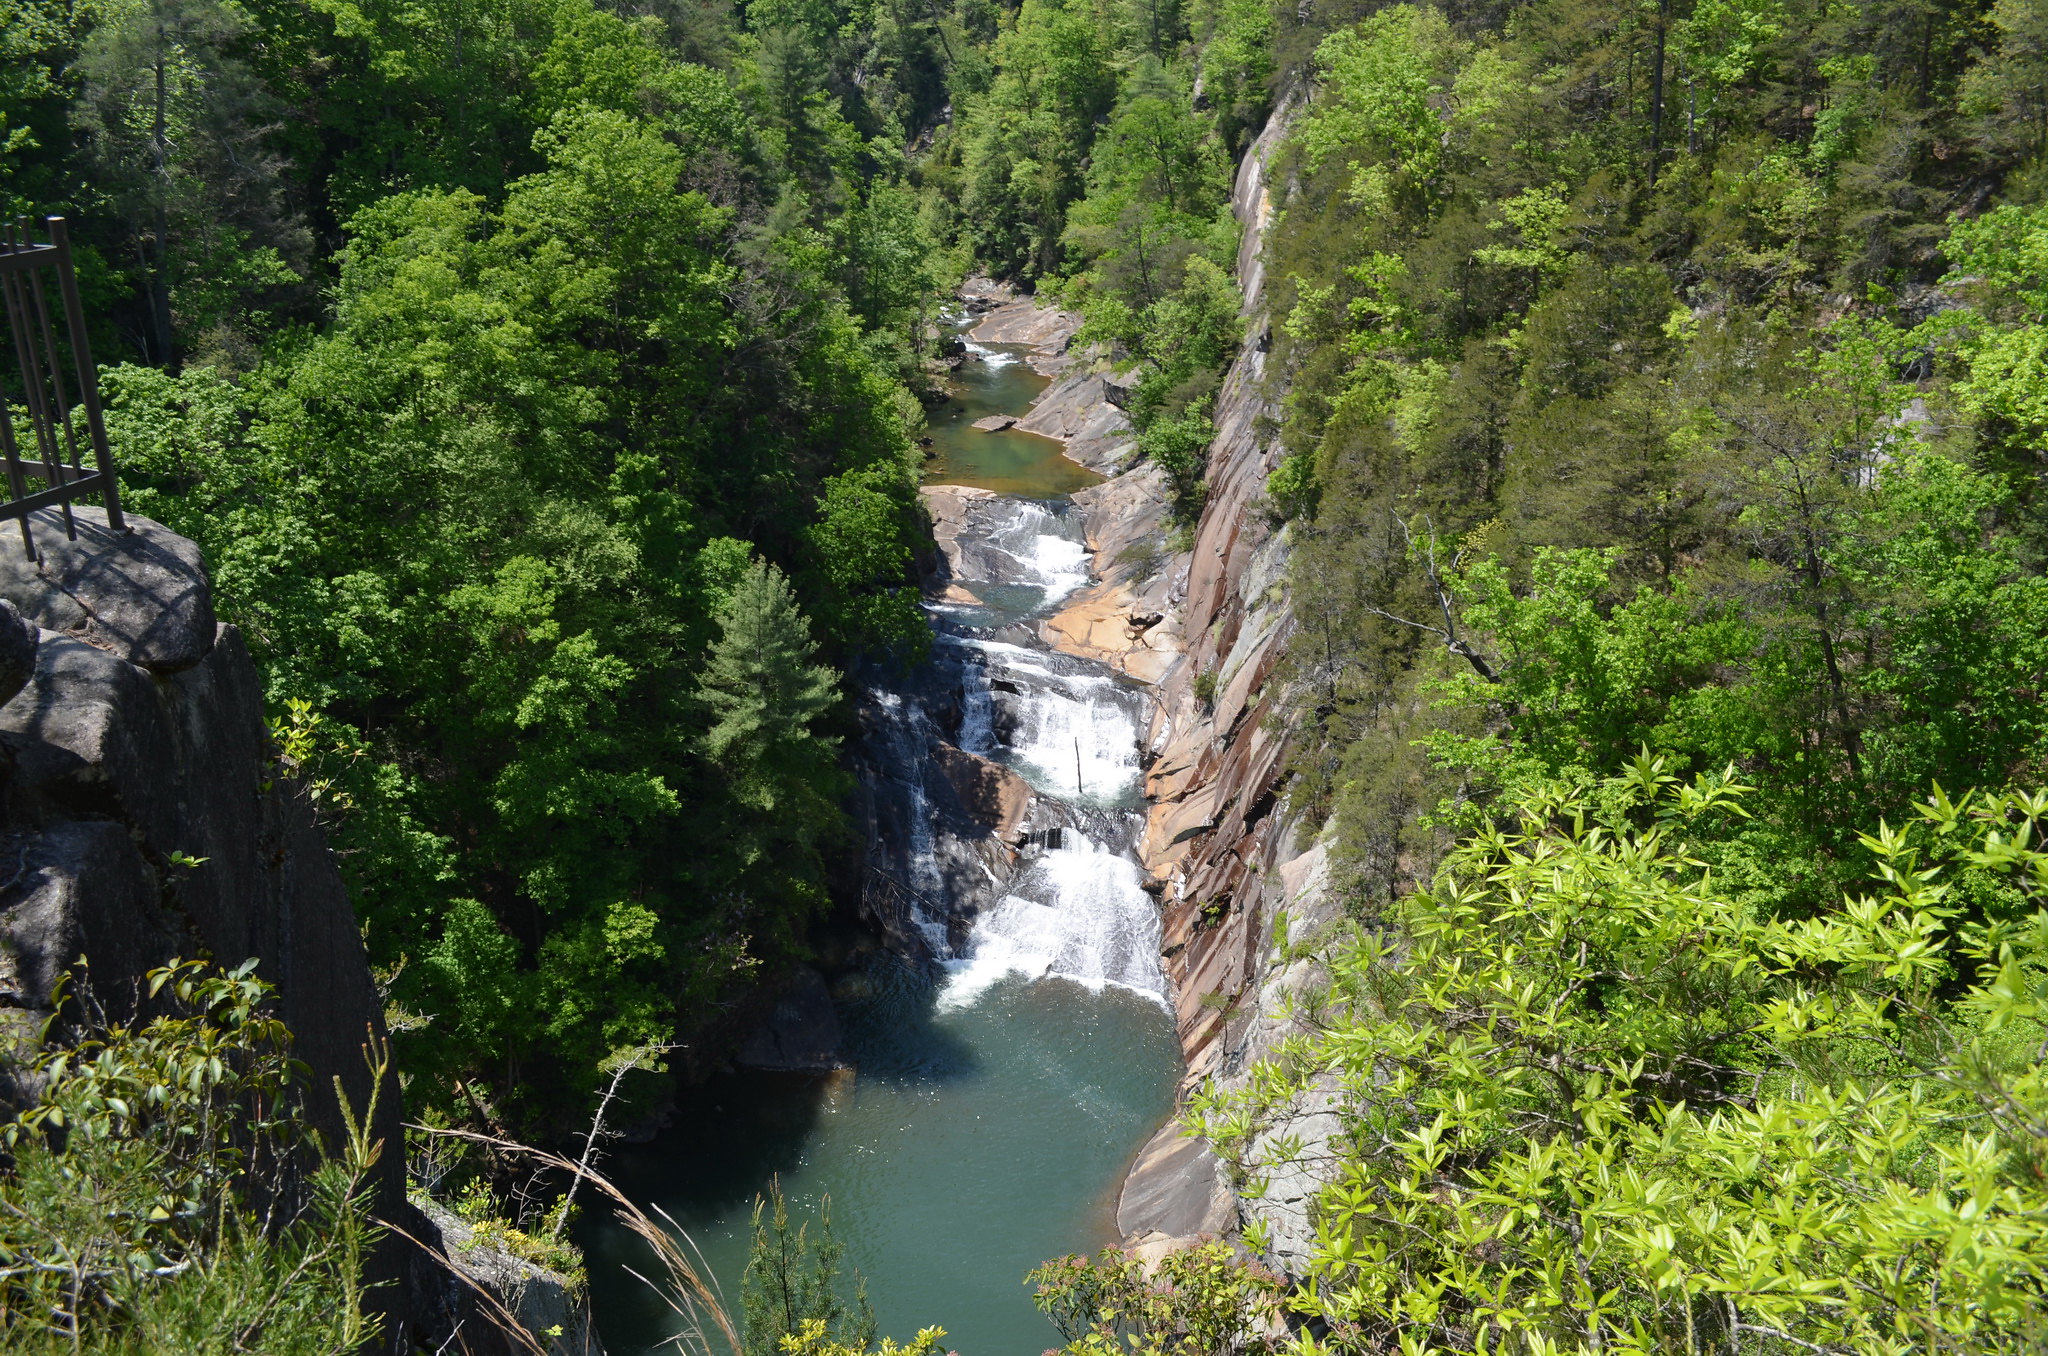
pixel 1196 1301
pixel 1590 1102
pixel 1737 355
pixel 814 1340
pixel 606 309
pixel 1180 447
pixel 163 1194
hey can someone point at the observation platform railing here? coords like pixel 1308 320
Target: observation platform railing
pixel 54 420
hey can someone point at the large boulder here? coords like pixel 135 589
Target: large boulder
pixel 18 640
pixel 1024 321
pixel 991 794
pixel 1177 1189
pixel 491 1284
pixel 801 1034
pixel 142 594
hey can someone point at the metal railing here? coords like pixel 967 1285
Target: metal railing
pixel 52 416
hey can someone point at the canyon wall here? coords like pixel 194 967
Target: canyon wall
pixel 1207 626
pixel 1218 842
pixel 144 817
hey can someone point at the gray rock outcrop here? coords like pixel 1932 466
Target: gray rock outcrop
pixel 801 1033
pixel 1176 1190
pixel 19 638
pixel 142 595
pixel 488 1286
pixel 1206 627
pixel 144 819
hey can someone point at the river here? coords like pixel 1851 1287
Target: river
pixel 1001 1083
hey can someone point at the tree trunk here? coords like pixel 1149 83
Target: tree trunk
pixel 160 146
pixel 1657 92
pixel 1852 742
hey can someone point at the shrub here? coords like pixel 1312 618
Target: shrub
pixel 162 1195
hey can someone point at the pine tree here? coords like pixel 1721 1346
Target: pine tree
pixel 765 691
pixel 781 778
pixel 792 1277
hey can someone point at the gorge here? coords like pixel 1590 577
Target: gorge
pixel 896 604
pixel 1012 1050
pixel 1038 800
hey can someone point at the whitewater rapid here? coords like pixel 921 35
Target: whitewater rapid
pixel 1073 908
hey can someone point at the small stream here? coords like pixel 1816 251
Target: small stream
pixel 1013 1050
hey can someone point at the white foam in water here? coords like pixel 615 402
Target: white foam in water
pixel 992 357
pixel 1062 565
pixel 1079 914
pixel 1045 555
pixel 1078 746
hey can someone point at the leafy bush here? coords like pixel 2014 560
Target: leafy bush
pixel 1180 447
pixel 163 1194
pixel 1198 1301
pixel 1589 1103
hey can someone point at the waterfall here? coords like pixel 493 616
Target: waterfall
pixel 1072 728
pixel 1077 912
pixel 977 713
pixel 1042 548
pixel 1070 904
pixel 1084 748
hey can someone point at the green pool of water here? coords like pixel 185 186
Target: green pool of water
pixel 1009 462
pixel 971 1140
pixel 969 1144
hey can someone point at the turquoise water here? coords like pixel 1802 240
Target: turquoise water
pixel 997 380
pixel 968 1145
pixel 975 1137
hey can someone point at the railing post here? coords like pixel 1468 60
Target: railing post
pixel 88 375
pixel 17 325
pixel 63 406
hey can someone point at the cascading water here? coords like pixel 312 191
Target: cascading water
pixel 1077 913
pixel 1006 1068
pixel 1073 907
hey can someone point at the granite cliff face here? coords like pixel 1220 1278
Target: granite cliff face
pixel 140 735
pixel 1207 628
pixel 143 818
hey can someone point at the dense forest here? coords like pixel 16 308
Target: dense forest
pixel 1663 389
pixel 534 378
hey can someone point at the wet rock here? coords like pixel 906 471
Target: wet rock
pixel 801 1034
pixel 142 595
pixel 994 423
pixel 1177 1188
pixel 952 509
pixel 992 794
